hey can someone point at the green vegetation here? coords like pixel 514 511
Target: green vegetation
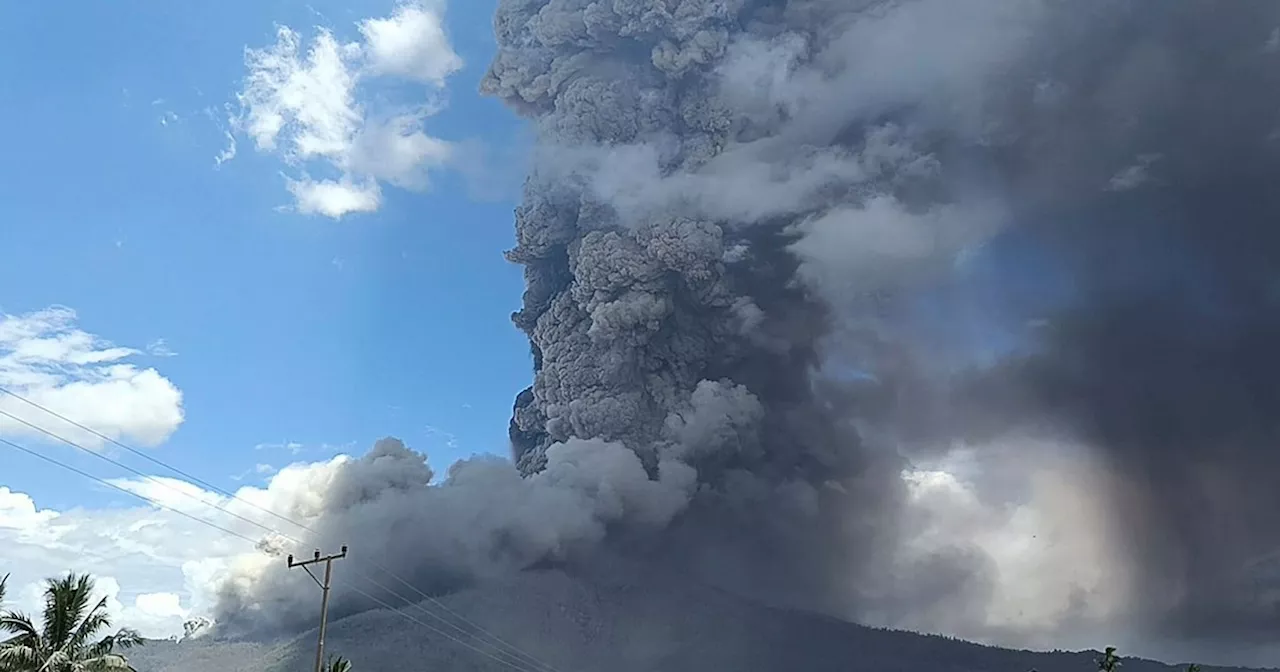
pixel 1109 662
pixel 67 639
pixel 337 664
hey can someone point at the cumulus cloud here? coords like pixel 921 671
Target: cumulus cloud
pixel 146 561
pixel 148 613
pixel 334 198
pixel 48 359
pixel 310 103
pixel 411 43
pixel 156 562
pixel 18 511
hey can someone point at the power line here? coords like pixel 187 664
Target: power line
pixel 495 640
pixel 501 645
pixel 515 653
pixel 233 533
pixel 109 484
pixel 384 605
pixel 136 472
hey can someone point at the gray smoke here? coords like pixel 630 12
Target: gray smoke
pixel 719 188
pixel 481 521
pixel 744 220
pixel 739 194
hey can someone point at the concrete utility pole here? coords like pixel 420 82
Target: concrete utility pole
pixel 324 587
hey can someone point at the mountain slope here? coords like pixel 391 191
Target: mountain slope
pixel 578 624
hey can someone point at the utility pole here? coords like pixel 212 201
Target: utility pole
pixel 324 587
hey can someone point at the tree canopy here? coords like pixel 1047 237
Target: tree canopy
pixel 68 637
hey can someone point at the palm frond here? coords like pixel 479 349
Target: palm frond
pixel 64 641
pixel 126 638
pixel 57 661
pixel 66 602
pixel 93 623
pixel 337 664
pixel 18 624
pixel 19 657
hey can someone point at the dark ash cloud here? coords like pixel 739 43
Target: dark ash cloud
pixel 742 221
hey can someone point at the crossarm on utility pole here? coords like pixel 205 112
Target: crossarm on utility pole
pixel 324 588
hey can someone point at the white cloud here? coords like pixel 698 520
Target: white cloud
pixel 308 99
pixel 399 152
pixel 447 438
pixel 152 614
pixel 48 359
pixel 19 512
pixel 173 493
pixel 306 106
pixel 334 198
pixel 131 552
pixel 160 605
pixel 261 470
pixel 156 567
pixel 291 446
pixel 228 153
pixel 412 44
pixel 160 348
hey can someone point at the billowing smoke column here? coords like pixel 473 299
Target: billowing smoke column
pixel 753 240
pixel 731 195
pixel 681 161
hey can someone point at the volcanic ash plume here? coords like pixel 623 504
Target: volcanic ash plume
pixel 746 220
pixel 733 200
pixel 482 520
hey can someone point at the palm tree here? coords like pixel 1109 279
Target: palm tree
pixel 65 642
pixel 337 664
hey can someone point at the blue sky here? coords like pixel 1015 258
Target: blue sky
pixel 136 266
pixel 287 327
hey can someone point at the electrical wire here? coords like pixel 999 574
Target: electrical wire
pixel 161 505
pixel 495 641
pixel 503 647
pixel 226 493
